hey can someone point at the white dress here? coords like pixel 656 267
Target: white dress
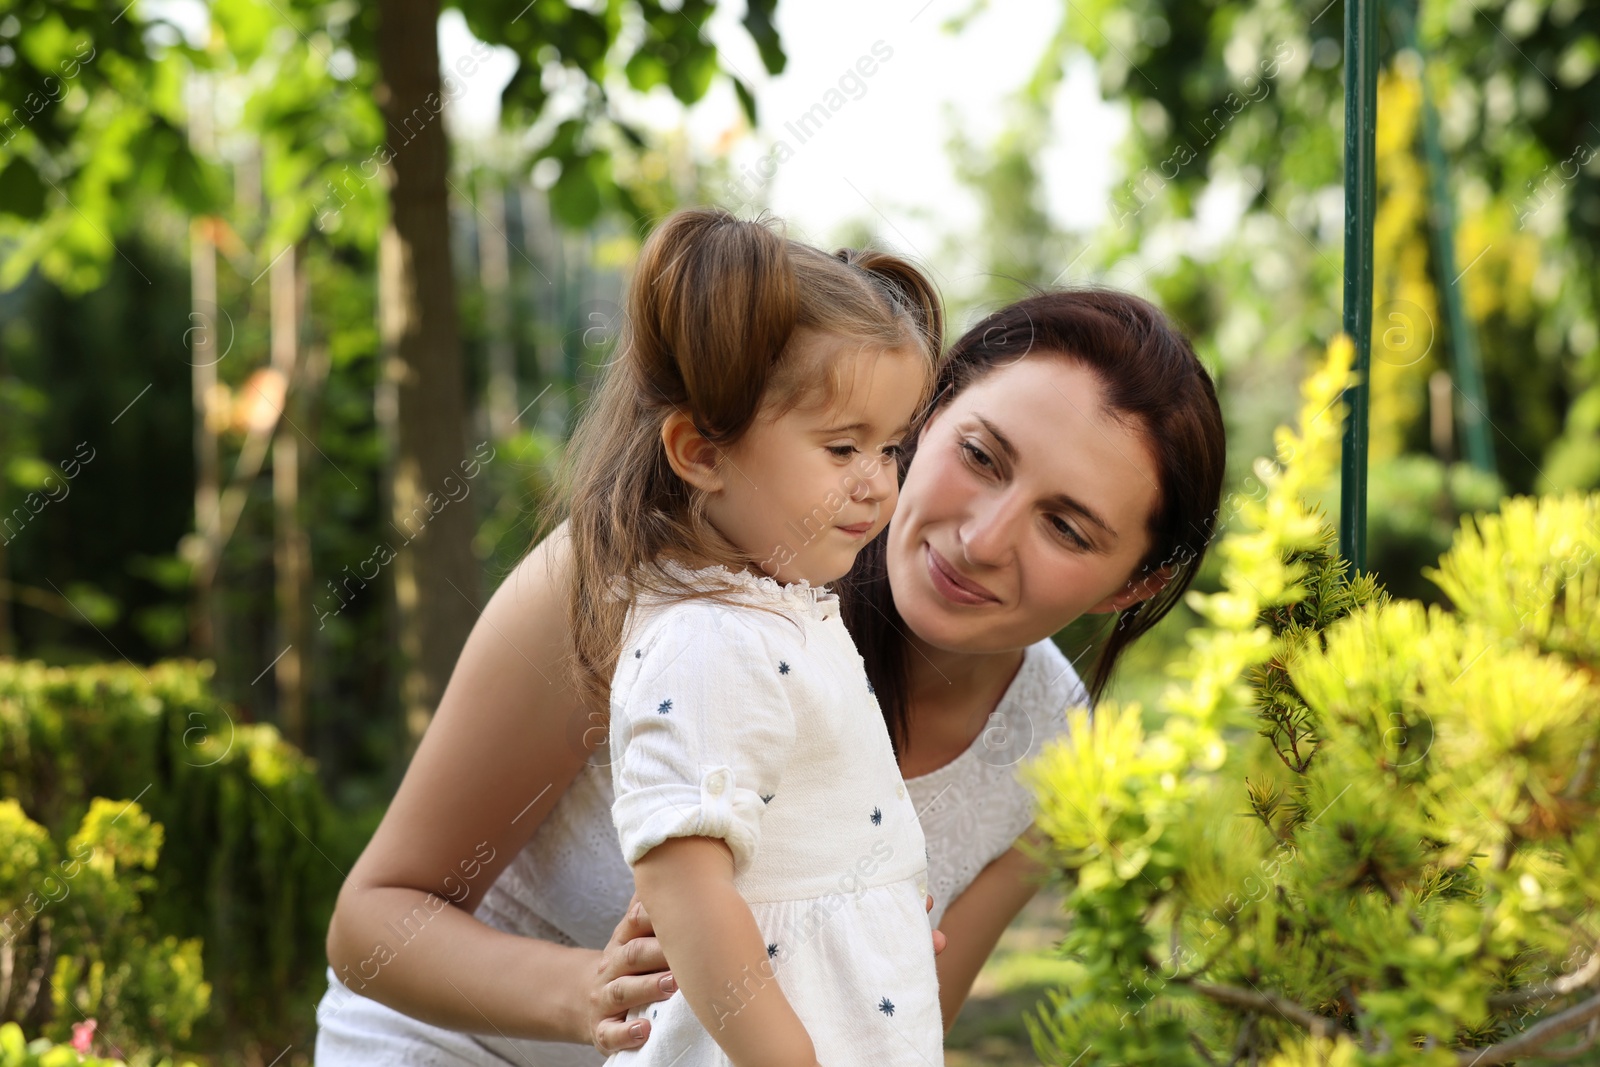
pixel 570 884
pixel 755 723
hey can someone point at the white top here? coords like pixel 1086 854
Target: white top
pixel 754 723
pixel 570 883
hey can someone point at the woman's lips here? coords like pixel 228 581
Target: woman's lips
pixel 953 586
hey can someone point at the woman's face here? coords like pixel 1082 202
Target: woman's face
pixel 1026 506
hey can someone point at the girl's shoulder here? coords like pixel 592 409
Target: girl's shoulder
pixel 724 604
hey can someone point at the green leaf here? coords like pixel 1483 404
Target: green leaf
pixel 575 197
pixel 646 71
pixel 691 76
pixel 747 100
pixel 21 191
pixel 758 23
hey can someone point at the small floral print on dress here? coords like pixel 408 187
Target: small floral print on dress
pixel 766 798
pixel 772 950
pixel 871 690
pixel 638 652
pixel 664 707
pixel 783 666
pixel 877 817
pixel 886 1006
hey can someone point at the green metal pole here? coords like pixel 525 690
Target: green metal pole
pixel 1463 335
pixel 1360 201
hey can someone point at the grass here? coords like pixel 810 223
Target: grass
pixel 990 1029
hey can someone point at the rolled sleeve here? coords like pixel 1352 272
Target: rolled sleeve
pixel 701 728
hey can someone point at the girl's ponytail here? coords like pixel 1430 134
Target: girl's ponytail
pixel 713 302
pixel 908 289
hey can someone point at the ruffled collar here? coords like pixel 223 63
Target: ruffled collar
pixel 760 589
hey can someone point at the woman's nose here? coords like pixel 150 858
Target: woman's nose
pixel 988 537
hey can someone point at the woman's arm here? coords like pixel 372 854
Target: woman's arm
pixel 508 738
pixel 718 954
pixel 974 921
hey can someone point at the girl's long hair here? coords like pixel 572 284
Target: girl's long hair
pixel 1151 377
pixel 713 306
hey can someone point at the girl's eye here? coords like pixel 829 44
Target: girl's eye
pixel 894 450
pixel 1066 531
pixel 842 451
pixel 977 455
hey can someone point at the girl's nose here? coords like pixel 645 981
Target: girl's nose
pixel 876 480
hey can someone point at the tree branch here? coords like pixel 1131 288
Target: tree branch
pixel 1531 1040
pixel 1244 998
pixel 1558 987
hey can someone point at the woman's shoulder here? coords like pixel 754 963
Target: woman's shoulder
pixel 1047 688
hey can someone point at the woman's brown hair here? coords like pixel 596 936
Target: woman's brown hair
pixel 1151 377
pixel 713 307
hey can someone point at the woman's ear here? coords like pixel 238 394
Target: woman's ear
pixel 1137 590
pixel 691 456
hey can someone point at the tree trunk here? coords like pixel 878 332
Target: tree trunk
pixel 204 353
pixel 291 551
pixel 435 573
pixel 494 271
pixel 203 349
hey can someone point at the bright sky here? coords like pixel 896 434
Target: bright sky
pixel 881 157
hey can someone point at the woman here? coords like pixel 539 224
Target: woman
pixel 1072 463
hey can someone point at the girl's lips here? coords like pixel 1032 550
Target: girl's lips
pixel 953 586
pixel 858 529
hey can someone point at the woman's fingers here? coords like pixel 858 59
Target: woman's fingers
pixel 632 972
pixel 635 923
pixel 623 994
pixel 614 1035
pixel 612 1030
pixel 939 940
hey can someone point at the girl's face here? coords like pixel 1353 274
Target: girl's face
pixel 805 491
pixel 1025 507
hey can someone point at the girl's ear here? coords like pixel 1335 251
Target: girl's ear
pixel 1142 589
pixel 691 456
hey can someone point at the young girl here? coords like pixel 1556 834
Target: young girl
pixel 740 453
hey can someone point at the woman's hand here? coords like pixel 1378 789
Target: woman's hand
pixel 939 940
pixel 633 971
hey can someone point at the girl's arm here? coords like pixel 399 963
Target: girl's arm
pixel 975 920
pixel 718 954
pixel 507 739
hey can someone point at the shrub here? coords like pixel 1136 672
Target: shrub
pixel 252 857
pixel 15 1051
pixel 1366 831
pixel 77 945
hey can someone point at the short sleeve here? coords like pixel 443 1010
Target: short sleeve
pixel 701 728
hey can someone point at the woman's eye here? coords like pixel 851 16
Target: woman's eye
pixel 977 455
pixel 1065 530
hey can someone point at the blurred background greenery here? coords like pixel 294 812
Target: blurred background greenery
pixel 280 392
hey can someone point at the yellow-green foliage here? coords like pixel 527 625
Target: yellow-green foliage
pixel 16 1051
pixel 250 854
pixel 1367 832
pixel 75 927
